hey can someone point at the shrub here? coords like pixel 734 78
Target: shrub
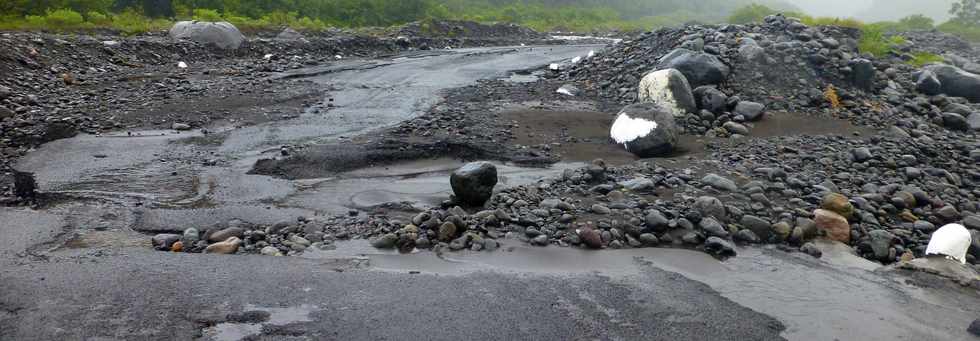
pixel 63 19
pixel 874 41
pixel 35 21
pixel 305 23
pixel 750 13
pixel 246 23
pixel 130 22
pixel 965 31
pixel 202 14
pixel 923 58
pixel 280 18
pixel 98 19
pixel 916 22
pixel 828 21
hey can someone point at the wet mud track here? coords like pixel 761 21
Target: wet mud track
pixel 171 179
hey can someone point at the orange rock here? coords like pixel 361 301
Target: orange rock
pixel 834 225
pixel 68 78
pixel 177 247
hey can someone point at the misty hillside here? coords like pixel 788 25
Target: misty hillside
pixel 876 10
pixel 894 9
pixel 632 9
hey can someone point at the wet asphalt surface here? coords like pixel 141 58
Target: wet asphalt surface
pixel 81 269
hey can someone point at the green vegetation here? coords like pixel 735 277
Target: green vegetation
pixel 137 16
pixel 923 58
pixel 577 15
pixel 756 12
pixel 874 41
pixel 966 20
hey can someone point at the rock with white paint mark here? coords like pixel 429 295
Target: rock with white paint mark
pixel 569 90
pixel 645 129
pixel 669 89
pixel 952 241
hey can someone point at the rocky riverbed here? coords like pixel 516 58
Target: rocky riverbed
pixel 880 167
pixel 57 86
pixel 775 136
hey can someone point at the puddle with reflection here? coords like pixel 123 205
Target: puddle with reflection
pixel 421 183
pixel 235 331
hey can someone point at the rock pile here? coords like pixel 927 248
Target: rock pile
pixel 739 72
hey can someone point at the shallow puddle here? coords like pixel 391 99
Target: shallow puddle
pixel 422 183
pixel 235 331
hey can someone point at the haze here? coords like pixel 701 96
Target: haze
pixel 875 10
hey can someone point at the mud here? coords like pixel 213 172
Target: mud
pixel 840 297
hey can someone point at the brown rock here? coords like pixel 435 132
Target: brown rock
pixel 68 78
pixel 839 204
pixel 591 238
pixel 177 247
pixel 907 216
pixel 226 247
pixel 226 233
pixel 907 256
pixel 447 232
pixel 833 224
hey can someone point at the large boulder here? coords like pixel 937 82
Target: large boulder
pixel 473 183
pixel 956 82
pixel 669 89
pixel 645 129
pixel 700 68
pixel 222 34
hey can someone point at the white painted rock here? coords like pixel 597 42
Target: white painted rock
pixel 645 129
pixel 952 241
pixel 569 90
pixel 669 89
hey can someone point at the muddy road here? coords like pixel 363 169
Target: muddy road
pixel 81 268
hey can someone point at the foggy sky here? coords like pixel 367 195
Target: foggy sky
pixel 875 10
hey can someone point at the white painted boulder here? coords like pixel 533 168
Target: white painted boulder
pixel 669 89
pixel 645 129
pixel 952 241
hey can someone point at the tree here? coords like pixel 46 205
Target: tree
pixel 966 12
